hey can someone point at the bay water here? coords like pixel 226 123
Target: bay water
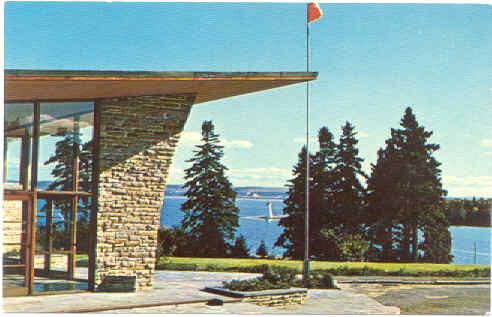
pixel 254 229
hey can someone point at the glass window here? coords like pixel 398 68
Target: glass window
pixel 17 131
pixel 14 255
pixel 65 134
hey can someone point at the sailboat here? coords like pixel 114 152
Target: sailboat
pixel 269 217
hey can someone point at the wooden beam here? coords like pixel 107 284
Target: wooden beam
pixel 5 161
pixel 34 189
pixel 61 194
pixel 95 194
pixel 75 199
pixel 49 236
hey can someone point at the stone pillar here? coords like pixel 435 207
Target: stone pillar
pixel 136 142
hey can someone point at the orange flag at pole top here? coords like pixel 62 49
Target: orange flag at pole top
pixel 314 12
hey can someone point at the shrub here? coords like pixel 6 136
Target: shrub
pixel 256 284
pixel 279 274
pixel 240 248
pixel 320 279
pixel 274 277
pixel 163 265
pixel 262 250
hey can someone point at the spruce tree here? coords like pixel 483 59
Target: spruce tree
pixel 240 249
pixel 349 193
pixel 211 216
pixel 262 250
pixel 380 206
pixel 322 214
pixel 405 196
pixel 419 186
pixel 292 237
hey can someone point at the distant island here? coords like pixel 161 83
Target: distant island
pixel 463 211
pixel 254 192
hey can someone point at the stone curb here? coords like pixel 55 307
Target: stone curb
pixel 415 282
pixel 239 294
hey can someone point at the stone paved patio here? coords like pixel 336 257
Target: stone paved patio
pixel 173 287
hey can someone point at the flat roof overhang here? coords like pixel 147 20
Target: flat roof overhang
pixel 50 85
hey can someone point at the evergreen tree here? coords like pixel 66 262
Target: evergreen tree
pixel 262 250
pixel 349 193
pixel 240 249
pixel 381 206
pixel 292 237
pixel 211 216
pixel 405 195
pixel 419 184
pixel 437 238
pixel 322 214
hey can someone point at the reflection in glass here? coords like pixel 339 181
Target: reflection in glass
pixel 65 138
pixel 53 225
pixel 17 129
pixel 14 227
pixel 83 222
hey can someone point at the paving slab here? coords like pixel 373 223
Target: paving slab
pixel 170 287
pixel 173 287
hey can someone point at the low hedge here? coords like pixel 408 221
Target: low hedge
pixel 278 277
pixel 333 268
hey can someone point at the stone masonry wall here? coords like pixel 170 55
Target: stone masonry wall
pixel 137 139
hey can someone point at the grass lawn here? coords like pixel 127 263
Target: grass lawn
pixel 336 268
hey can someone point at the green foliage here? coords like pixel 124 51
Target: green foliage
pixel 171 241
pixel 322 204
pixel 332 267
pixel 336 198
pixel 239 249
pixel 350 246
pixel 320 279
pixel 349 193
pixel 275 277
pixel 211 216
pixel 262 250
pixel 292 237
pixel 469 212
pixel 279 275
pixel 257 284
pixel 405 195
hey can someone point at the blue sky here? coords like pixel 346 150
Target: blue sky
pixel 373 61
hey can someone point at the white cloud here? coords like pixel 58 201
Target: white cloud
pixel 486 142
pixel 189 138
pixel 480 186
pixel 259 176
pixel 192 138
pixel 237 144
pixel 254 176
pixel 362 134
pixel 302 140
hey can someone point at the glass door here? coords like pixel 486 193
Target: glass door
pixel 17 203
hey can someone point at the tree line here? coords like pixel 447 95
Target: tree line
pixel 398 216
pixel 469 212
pixel 397 213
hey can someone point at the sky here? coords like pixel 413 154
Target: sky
pixel 373 60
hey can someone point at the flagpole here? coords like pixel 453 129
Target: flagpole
pixel 306 222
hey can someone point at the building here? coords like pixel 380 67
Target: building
pixel 106 141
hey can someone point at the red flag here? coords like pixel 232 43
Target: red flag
pixel 314 12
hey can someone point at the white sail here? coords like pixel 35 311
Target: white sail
pixel 270 211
